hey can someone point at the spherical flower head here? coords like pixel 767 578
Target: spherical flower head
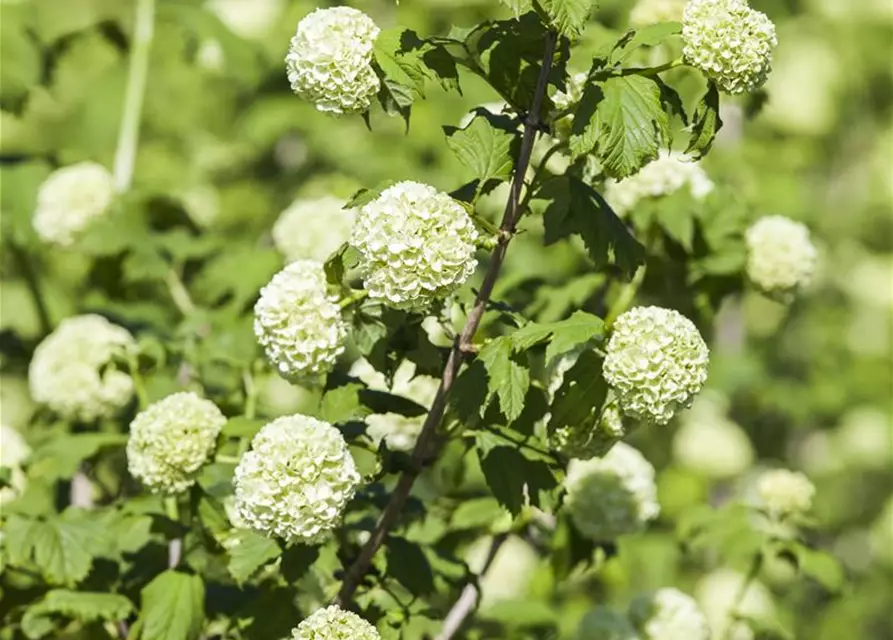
pixel 613 495
pixel 298 323
pixel 69 200
pixel 399 431
pixel 647 12
pixel 334 623
pixel 785 493
pixel 729 42
pixel 603 624
pixel 710 443
pixel 780 256
pixel 171 440
pixel 417 245
pixel 312 228
pixel 666 175
pixel 329 60
pixel 73 373
pixel 296 481
pixel 668 614
pixel 656 362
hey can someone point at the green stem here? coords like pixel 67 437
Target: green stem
pixel 625 297
pixel 175 546
pixel 128 135
pixel 34 288
pixel 139 386
pixel 735 610
pixel 650 71
pixel 250 393
pixel 179 293
pixel 537 174
pixel 356 296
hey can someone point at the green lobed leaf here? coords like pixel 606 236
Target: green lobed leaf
pixel 622 121
pixel 397 52
pixel 484 147
pixel 567 334
pixel 409 566
pixel 172 607
pixel 648 36
pixel 62 455
pixel 514 478
pixel 705 124
pixel 507 378
pixel 249 552
pixel 583 390
pixel 518 7
pixel 41 617
pixel 569 16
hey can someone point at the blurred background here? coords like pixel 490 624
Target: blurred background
pixel 226 147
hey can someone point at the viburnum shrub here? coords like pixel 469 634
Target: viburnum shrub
pixel 257 428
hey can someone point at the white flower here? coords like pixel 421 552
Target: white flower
pixel 171 440
pixel 329 60
pixel 73 373
pixel 667 174
pixel 785 493
pixel 656 362
pixel 70 199
pixel 709 442
pixel 647 12
pixel 312 228
pixel 729 42
pixel 14 451
pixel 417 245
pixel 603 624
pixel 298 323
pixel 668 614
pixel 400 432
pixel 780 256
pixel 334 623
pixel 296 480
pixel 718 592
pixel 611 496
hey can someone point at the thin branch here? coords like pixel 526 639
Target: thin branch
pixel 425 446
pixel 468 599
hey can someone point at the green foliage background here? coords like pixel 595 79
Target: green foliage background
pixel 225 147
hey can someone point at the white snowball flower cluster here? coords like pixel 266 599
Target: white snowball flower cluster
pixel 667 174
pixel 780 256
pixel 171 440
pixel 329 60
pixel 312 228
pixel 668 614
pixel 334 623
pixel 604 624
pixel 656 363
pixel 718 592
pixel 417 245
pixel 785 493
pixel 647 12
pixel 14 451
pixel 400 432
pixel 730 42
pixel 298 323
pixel 709 442
pixel 71 369
pixel 296 480
pixel 70 199
pixel 611 496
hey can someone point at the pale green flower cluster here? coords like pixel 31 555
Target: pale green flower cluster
pixel 171 440
pixel 785 493
pixel 718 594
pixel 668 614
pixel 709 442
pixel 730 42
pixel 648 12
pixel 296 481
pixel 611 496
pixel 72 371
pixel 329 60
pixel 334 623
pixel 399 431
pixel 781 258
pixel 69 200
pixel 14 451
pixel 312 228
pixel 298 323
pixel 417 245
pixel 667 174
pixel 567 99
pixel 656 362
pixel 605 624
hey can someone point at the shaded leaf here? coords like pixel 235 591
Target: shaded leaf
pixel 249 552
pixel 409 566
pixel 172 607
pixel 513 478
pixel 507 378
pixel 39 618
pixel 705 124
pixel 484 148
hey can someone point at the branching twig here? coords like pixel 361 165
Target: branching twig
pixel 423 448
pixel 468 599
